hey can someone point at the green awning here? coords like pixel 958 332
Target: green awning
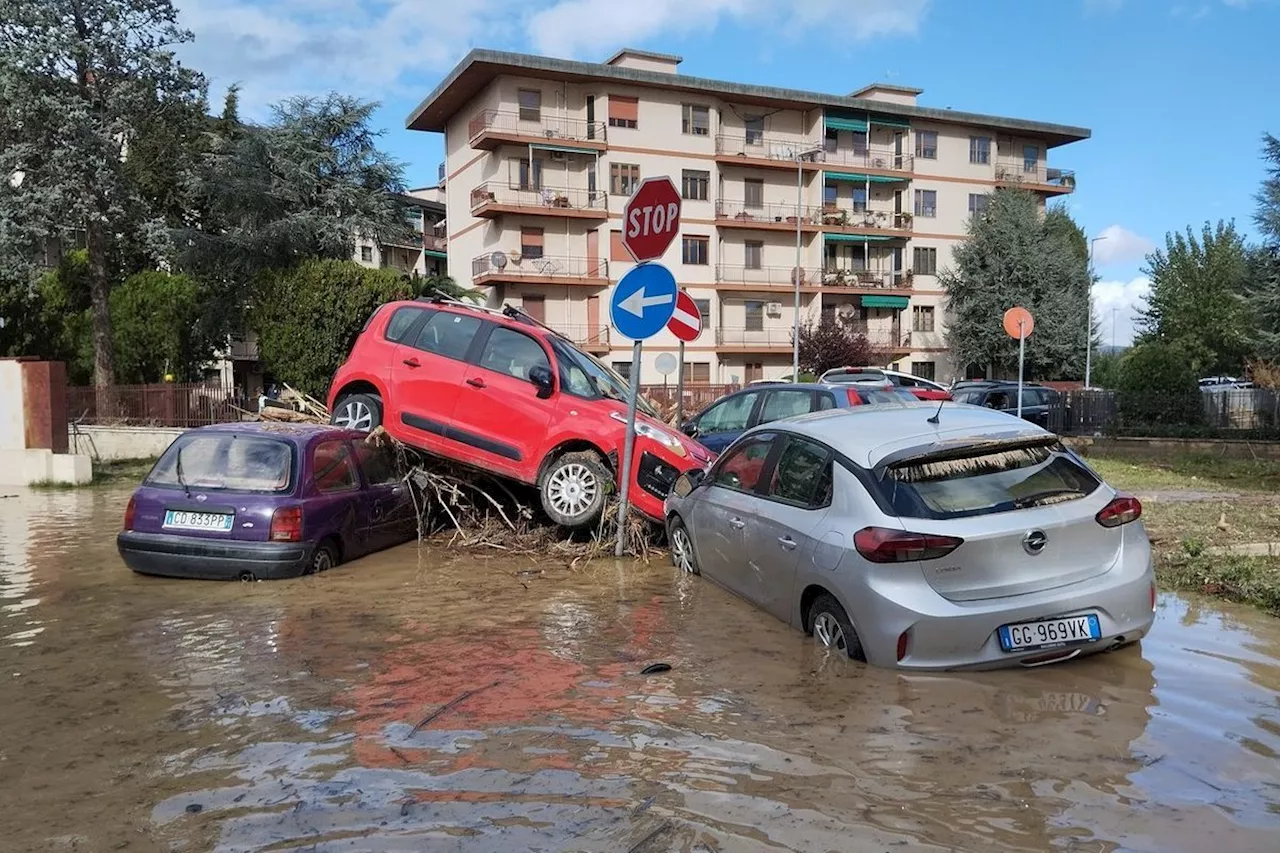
pixel 854 238
pixel 567 149
pixel 890 121
pixel 859 178
pixel 432 253
pixel 857 125
pixel 899 302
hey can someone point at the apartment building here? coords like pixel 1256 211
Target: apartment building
pixel 541 155
pixel 424 249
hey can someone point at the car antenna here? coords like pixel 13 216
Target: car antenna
pixel 934 419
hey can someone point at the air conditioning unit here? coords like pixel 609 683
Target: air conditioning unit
pixel 773 309
pixel 557 155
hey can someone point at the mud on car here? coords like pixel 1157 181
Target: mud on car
pixel 501 392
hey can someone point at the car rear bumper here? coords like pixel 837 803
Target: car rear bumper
pixel 173 556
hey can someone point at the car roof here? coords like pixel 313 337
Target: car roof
pixel 297 433
pixel 881 431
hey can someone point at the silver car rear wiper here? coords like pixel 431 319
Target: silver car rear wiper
pixel 1034 500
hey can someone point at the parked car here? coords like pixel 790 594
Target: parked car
pixel 1038 401
pixel 718 425
pixel 499 391
pixel 975 542
pixel 259 501
pixel 925 389
pixel 1224 383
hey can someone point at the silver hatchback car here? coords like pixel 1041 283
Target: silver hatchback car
pixel 921 537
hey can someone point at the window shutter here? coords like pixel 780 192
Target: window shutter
pixel 624 108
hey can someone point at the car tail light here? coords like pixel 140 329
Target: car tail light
pixel 286 524
pixel 882 545
pixel 1122 510
pixel 129 510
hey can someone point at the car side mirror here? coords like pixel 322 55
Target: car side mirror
pixel 541 377
pixel 690 429
pixel 688 481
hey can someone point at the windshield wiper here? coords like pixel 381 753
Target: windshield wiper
pixel 1034 500
pixel 177 471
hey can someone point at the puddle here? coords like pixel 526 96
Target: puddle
pixel 418 700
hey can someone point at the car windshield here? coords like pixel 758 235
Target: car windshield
pixel 585 375
pixel 225 462
pixel 987 482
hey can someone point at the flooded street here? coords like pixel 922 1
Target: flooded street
pixel 145 714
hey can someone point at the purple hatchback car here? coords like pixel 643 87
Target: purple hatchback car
pixel 257 501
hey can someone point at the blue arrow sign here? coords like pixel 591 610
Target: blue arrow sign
pixel 643 301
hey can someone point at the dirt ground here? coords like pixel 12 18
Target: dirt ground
pixel 422 700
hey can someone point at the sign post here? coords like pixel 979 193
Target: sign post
pixel 685 324
pixel 1018 323
pixel 643 302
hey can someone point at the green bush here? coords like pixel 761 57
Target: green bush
pixel 1156 388
pixel 156 322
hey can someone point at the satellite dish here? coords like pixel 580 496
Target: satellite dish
pixel 846 309
pixel 498 260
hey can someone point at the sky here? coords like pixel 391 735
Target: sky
pixel 1177 93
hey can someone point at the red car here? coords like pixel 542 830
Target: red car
pixel 499 391
pixel 924 389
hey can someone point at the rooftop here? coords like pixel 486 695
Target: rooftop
pixel 481 66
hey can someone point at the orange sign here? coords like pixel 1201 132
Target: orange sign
pixel 1018 322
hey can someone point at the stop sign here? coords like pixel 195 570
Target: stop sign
pixel 651 218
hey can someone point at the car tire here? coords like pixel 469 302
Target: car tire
pixel 573 489
pixel 325 557
pixel 357 411
pixel 682 556
pixel 831 627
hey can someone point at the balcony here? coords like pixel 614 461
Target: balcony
pixel 875 280
pixel 1035 176
pixel 742 339
pixel 881 161
pixel 494 198
pixel 435 243
pixel 766 217
pixel 514 269
pixel 765 278
pixel 769 152
pixel 593 339
pixel 862 221
pixel 491 128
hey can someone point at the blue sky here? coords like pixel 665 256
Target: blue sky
pixel 1176 92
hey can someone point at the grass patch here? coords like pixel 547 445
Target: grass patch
pixel 1198 472
pixel 1249 580
pixel 117 472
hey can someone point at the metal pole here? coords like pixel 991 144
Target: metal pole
pixel 680 390
pixel 1022 354
pixel 628 446
pixel 795 326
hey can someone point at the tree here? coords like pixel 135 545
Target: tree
pixel 1157 388
pixel 156 319
pixel 1263 291
pixel 78 78
pixel 829 344
pixel 1196 301
pixel 1016 256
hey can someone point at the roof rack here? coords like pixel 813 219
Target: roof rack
pixel 508 311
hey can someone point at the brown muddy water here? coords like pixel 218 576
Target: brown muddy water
pixel 142 714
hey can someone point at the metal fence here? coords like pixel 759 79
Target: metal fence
pixel 697 395
pixel 1239 413
pixel 169 404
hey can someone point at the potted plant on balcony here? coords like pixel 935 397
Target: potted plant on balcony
pixel 905 219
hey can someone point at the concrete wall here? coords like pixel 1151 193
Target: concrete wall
pixel 111 443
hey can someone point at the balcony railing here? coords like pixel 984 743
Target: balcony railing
pixel 514 266
pixel 436 242
pixel 766 277
pixel 884 159
pixel 548 199
pixel 778 214
pixel 1034 172
pixel 546 126
pixel 586 337
pixel 767 338
pixel 869 279
pixel 784 149
pixel 861 217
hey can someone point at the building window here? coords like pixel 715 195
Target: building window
pixel 1030 158
pixel 624 111
pixel 977 203
pixel 623 178
pixel 927 203
pixel 753 193
pixel 752 371
pixel 831 140
pixel 755 130
pixel 925 370
pixel 700 372
pixel 922 320
pixel 755 316
pixel 830 196
pixel 704 311
pixel 530 104
pixel 535 307
pixel 366 254
pixel 753 253
pixel 694 185
pixel 623 368
pixel 530 242
pixel 860 199
pixel 530 175
pixel 925 261
pixel 979 149
pixel 696 120
pixel 927 144
pixel 695 250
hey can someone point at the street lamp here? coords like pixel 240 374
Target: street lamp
pixel 796 273
pixel 1088 332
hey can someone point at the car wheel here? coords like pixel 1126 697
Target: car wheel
pixel 324 558
pixel 831 627
pixel 682 556
pixel 573 489
pixel 357 411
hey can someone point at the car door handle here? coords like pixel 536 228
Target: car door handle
pixel 737 523
pixel 411 362
pixel 787 543
pixel 476 382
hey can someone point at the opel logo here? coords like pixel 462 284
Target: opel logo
pixel 1034 541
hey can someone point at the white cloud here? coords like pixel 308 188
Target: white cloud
pixel 1115 306
pixel 1118 245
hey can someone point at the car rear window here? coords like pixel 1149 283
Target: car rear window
pixel 400 322
pixel 225 462
pixel 987 482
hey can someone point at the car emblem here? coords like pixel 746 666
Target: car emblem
pixel 1035 540
pixel 201 497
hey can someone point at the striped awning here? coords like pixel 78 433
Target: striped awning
pixel 859 178
pixel 898 302
pixel 566 149
pixel 857 125
pixel 890 121
pixel 854 238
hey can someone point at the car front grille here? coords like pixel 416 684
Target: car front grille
pixel 655 476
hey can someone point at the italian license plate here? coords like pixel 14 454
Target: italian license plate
pixel 1050 633
pixel 177 519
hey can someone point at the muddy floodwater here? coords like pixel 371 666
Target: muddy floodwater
pixel 144 714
